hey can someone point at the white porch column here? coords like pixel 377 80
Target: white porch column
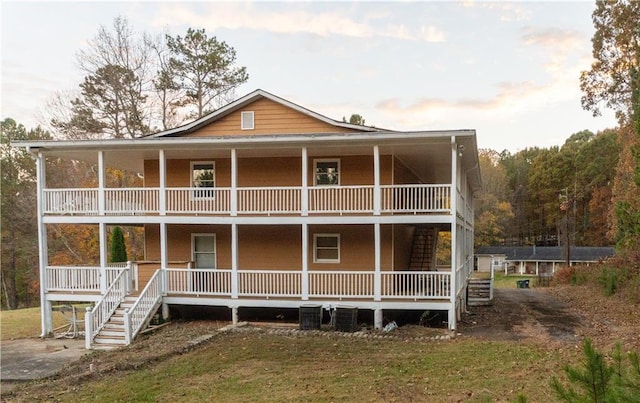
pixel 537 267
pixel 101 183
pixel 234 260
pixel 305 262
pixel 164 256
pixel 454 233
pixel 162 197
pixel 43 258
pixel 377 276
pixel 377 192
pixel 304 197
pixel 234 183
pixel 103 257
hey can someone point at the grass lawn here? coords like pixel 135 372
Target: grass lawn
pixel 254 366
pixel 501 280
pixel 25 323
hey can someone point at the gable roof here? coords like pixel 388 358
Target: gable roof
pixel 248 99
pixel 548 253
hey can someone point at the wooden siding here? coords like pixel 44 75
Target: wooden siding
pixel 275 247
pixel 269 118
pixel 402 174
pixel 265 172
pixel 402 244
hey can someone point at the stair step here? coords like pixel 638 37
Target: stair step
pixel 109 340
pixel 111 333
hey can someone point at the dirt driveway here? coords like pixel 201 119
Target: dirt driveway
pixel 519 314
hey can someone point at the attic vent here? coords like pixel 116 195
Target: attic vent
pixel 247 121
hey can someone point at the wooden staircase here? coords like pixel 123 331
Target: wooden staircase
pixel 112 334
pixel 423 250
pixel 480 291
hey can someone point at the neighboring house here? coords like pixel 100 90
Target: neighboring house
pixel 264 203
pixel 537 259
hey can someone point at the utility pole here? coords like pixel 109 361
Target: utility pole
pixel 564 206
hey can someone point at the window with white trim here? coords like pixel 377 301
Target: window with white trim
pixel 326 248
pixel 247 120
pixel 203 250
pixel 203 175
pixel 326 172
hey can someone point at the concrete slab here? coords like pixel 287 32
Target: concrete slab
pixel 28 359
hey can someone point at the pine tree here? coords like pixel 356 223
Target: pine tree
pixel 118 247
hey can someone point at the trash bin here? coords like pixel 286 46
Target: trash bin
pixel 310 317
pixel 522 283
pixel 346 319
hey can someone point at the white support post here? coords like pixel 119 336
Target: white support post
pixel 103 257
pixel 454 233
pixel 101 183
pixel 234 260
pixel 377 192
pixel 304 197
pixel 88 328
pixel 162 197
pixel 305 262
pixel 234 183
pixel 377 276
pixel 164 257
pixel 43 258
pixel 377 319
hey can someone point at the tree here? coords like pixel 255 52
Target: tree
pixel 113 98
pixel 355 119
pixel 118 246
pixel 204 68
pixel 19 232
pixel 614 80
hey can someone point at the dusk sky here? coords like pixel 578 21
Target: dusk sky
pixel 509 70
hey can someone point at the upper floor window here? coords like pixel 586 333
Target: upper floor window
pixel 203 176
pixel 326 172
pixel 247 120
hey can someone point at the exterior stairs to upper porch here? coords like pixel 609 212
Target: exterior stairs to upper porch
pixel 112 335
pixel 423 250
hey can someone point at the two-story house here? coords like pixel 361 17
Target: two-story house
pixel 264 203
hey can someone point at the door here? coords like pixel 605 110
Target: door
pixel 203 253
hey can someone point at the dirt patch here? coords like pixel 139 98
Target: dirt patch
pixel 518 314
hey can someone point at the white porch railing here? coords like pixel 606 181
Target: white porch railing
pixel 70 201
pixel 131 200
pixel 73 278
pixel 411 284
pixel 416 198
pixel 198 200
pixel 322 284
pixel 96 318
pixel 256 283
pixel 403 199
pixel 149 300
pixel 341 199
pixel 199 281
pixel 352 284
pixel 272 200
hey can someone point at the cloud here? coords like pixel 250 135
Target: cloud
pixel 551 37
pixel 507 11
pixel 244 16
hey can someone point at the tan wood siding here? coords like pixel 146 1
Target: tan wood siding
pixel 402 174
pixel 402 243
pixel 265 172
pixel 270 247
pixel 269 118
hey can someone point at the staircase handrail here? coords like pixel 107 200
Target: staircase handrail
pixel 136 316
pixel 96 318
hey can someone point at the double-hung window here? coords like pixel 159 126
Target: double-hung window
pixel 203 247
pixel 326 248
pixel 203 177
pixel 326 172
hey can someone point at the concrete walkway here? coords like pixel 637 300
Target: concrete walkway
pixel 28 359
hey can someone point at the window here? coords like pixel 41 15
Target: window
pixel 203 248
pixel 247 122
pixel 326 172
pixel 326 248
pixel 203 176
